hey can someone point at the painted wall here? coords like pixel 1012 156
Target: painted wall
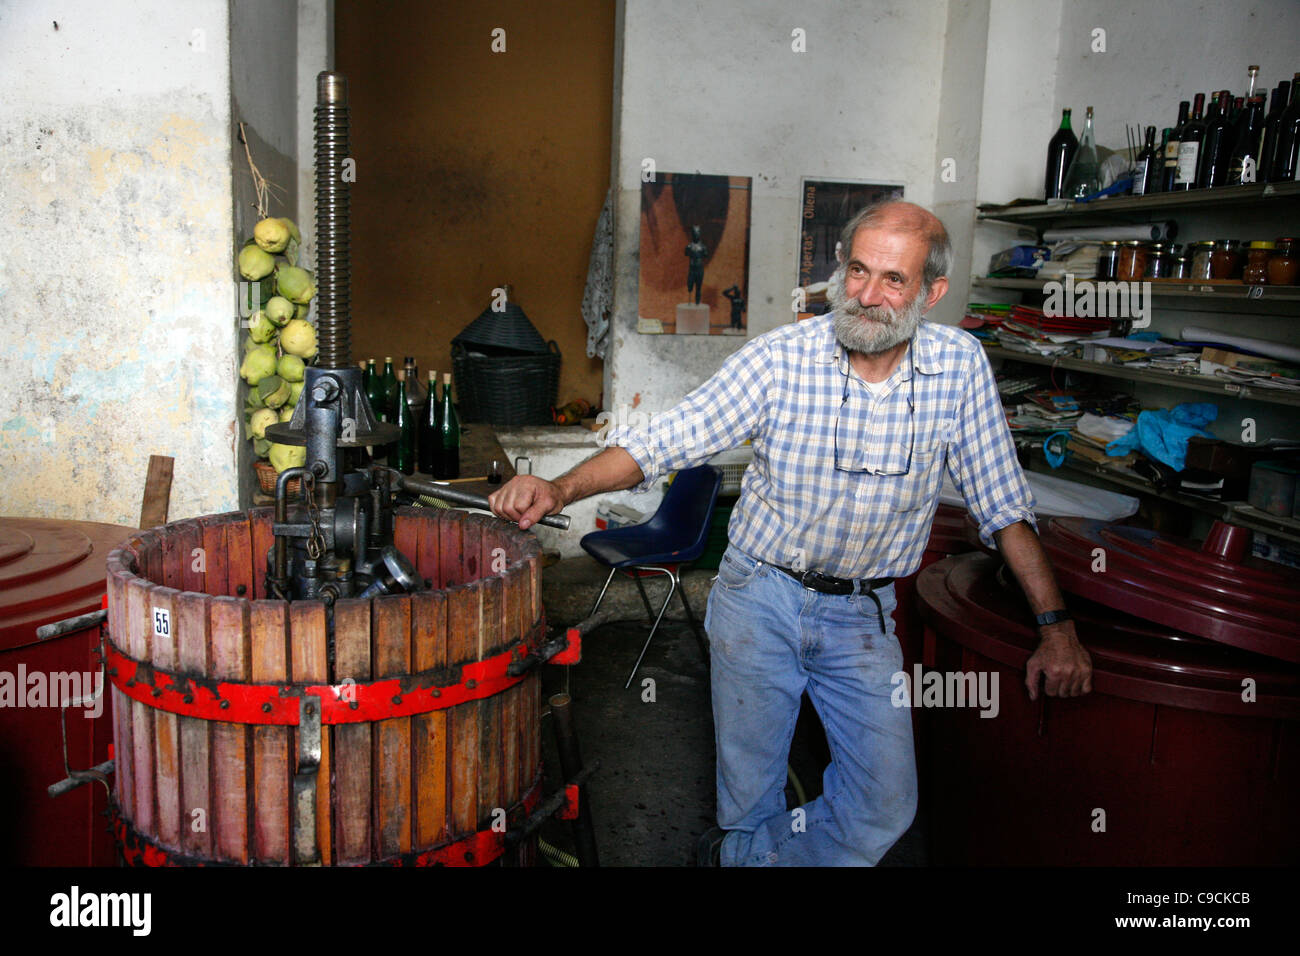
pixel 115 246
pixel 712 88
pixel 476 168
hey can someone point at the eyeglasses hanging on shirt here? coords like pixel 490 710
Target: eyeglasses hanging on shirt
pixel 891 451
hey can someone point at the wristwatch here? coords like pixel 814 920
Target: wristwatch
pixel 1052 617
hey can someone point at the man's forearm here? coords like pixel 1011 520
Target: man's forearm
pixel 1025 556
pixel 611 470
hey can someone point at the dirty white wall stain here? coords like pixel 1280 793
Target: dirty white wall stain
pixel 116 294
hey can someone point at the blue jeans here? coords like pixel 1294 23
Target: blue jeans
pixel 770 639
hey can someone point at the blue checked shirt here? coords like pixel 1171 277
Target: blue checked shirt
pixel 783 389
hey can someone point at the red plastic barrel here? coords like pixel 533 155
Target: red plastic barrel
pixel 1187 752
pixel 50 571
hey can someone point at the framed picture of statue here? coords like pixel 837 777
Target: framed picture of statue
pixel 825 207
pixel 694 254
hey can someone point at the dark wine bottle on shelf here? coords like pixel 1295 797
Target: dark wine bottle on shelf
pixel 1060 151
pixel 390 390
pixel 1189 146
pixel 1243 165
pixel 430 442
pixel 1216 147
pixel 1146 177
pixel 404 459
pixel 1170 175
pixel 450 431
pixel 1268 139
pixel 1286 155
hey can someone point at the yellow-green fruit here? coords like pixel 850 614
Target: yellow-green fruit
pixel 258 363
pixel 287 456
pixel 298 337
pixel 255 263
pixel 293 230
pixel 294 284
pixel 260 419
pixel 261 329
pixel 286 413
pixel 271 234
pixel 295 391
pixel 249 344
pixel 261 446
pixel 280 310
pixel 273 391
pixel 300 311
pixel 290 368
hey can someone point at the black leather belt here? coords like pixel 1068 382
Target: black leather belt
pixel 825 584
pixel 816 581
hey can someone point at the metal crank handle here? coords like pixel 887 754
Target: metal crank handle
pixel 470 500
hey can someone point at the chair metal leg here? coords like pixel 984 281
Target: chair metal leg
pixel 601 596
pixel 645 598
pixel 672 586
pixel 695 628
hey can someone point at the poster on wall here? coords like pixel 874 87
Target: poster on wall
pixel 825 208
pixel 694 254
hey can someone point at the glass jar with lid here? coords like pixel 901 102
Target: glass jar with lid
pixel 1108 260
pixel 1200 254
pixel 1133 256
pixel 1225 260
pixel 1283 264
pixel 1255 271
pixel 1159 260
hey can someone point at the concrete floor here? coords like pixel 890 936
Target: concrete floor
pixel 654 792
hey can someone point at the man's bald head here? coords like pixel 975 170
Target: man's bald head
pixel 895 215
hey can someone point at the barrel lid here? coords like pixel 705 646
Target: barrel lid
pixel 50 570
pixel 973 600
pixel 1213 589
pixel 949 533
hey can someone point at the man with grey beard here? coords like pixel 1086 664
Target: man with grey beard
pixel 854 419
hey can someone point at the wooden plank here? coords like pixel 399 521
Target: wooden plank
pixel 123 783
pixel 172 574
pixel 392 650
pixel 463 609
pixel 214 554
pixel 451 572
pixel 192 557
pixel 151 557
pixel 490 640
pixel 195 739
pixel 426 549
pixel 228 633
pixel 406 522
pixel 239 558
pixel 260 519
pixel 272 783
pixel 309 652
pixel 471 549
pixel 167 757
pixel 429 650
pixel 352 742
pixel 139 626
pixel 157 491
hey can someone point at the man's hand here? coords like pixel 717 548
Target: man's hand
pixel 1064 662
pixel 526 499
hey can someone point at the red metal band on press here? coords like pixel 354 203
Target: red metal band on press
pixel 478 849
pixel 241 702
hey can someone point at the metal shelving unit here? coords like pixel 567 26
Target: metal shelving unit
pixel 1141 208
pixel 1200 383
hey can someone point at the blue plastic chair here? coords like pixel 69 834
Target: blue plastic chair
pixel 676 535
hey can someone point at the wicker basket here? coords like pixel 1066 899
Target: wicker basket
pixel 267 475
pixel 506 389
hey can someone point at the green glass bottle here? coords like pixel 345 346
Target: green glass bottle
pixel 389 392
pixel 404 459
pixel 450 431
pixel 430 439
pixel 375 395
